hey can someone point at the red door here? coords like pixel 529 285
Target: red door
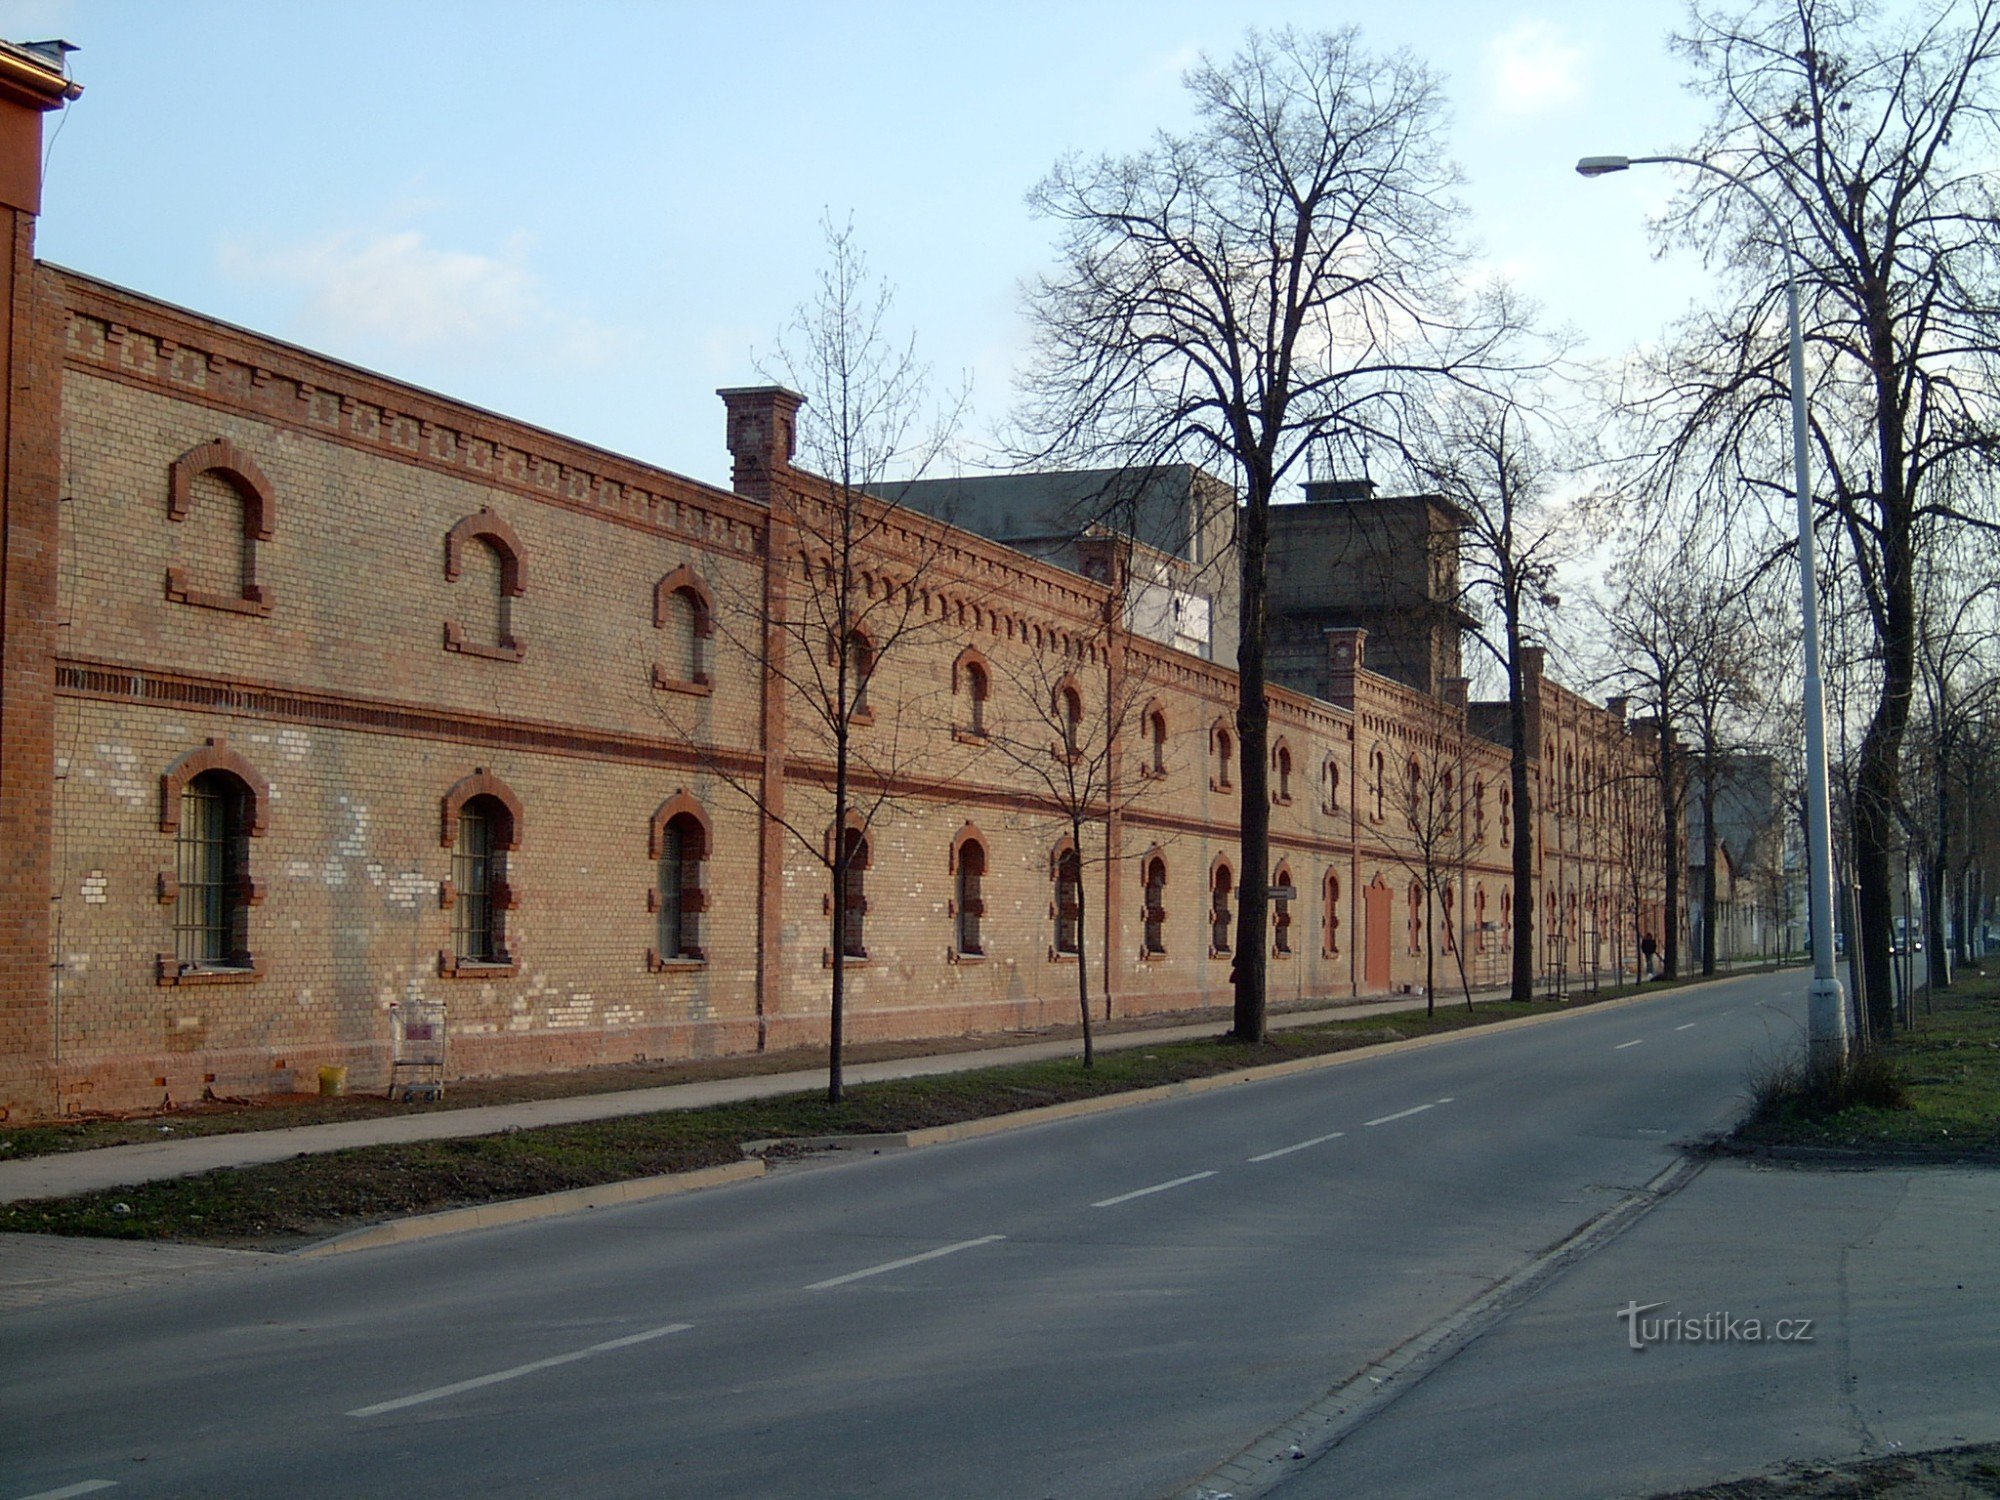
pixel 1375 949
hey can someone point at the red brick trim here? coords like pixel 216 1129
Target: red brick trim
pixel 167 971
pixel 675 806
pixel 223 457
pixel 969 834
pixel 488 527
pixel 254 600
pixel 684 580
pixel 457 968
pixel 484 525
pixel 509 649
pixel 215 755
pixel 220 456
pixel 481 783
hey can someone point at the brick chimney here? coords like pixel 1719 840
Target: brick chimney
pixel 762 434
pixel 1346 654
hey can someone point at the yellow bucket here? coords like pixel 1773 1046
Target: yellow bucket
pixel 333 1079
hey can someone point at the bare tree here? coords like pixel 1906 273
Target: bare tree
pixel 1958 663
pixel 1277 278
pixel 1434 847
pixel 1481 451
pixel 1872 134
pixel 848 580
pixel 1075 729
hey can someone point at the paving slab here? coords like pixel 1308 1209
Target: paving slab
pixel 1893 1270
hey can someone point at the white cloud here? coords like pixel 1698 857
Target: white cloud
pixel 395 289
pixel 1532 68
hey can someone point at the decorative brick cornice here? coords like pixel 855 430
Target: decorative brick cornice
pixel 123 336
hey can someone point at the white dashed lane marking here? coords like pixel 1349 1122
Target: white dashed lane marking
pixel 1404 1114
pixel 438 1393
pixel 1623 1045
pixel 1158 1187
pixel 908 1260
pixel 1689 1027
pixel 82 1487
pixel 1300 1146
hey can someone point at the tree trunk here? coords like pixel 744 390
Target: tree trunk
pixel 1253 732
pixel 1522 986
pixel 1082 942
pixel 1670 829
pixel 1708 853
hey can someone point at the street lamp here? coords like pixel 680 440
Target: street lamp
pixel 1826 1007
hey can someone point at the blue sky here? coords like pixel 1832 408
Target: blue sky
pixel 591 218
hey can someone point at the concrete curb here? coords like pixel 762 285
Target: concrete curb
pixel 522 1210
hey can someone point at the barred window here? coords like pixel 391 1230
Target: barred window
pixel 1069 902
pixel 1155 910
pixel 211 863
pixel 971 896
pixel 683 847
pixel 475 877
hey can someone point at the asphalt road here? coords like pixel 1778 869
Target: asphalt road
pixel 1108 1306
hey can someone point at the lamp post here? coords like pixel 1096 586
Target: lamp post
pixel 1826 1006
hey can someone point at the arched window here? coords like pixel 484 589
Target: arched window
pixel 476 878
pixel 1330 918
pixel 680 843
pixel 1218 911
pixel 684 613
pixel 976 688
pixel 1506 921
pixel 1332 785
pixel 1378 775
pixel 1281 762
pixel 1413 786
pixel 213 803
pixel 1156 725
pixel 1069 714
pixel 1479 810
pixel 1069 901
pixel 483 557
pixel 1479 919
pixel 211 863
pixel 860 666
pixel 227 504
pixel 1447 923
pixel 1416 917
pixel 1281 915
pixel 481 827
pixel 1506 815
pixel 1224 747
pixel 1156 906
pixel 1447 812
pixel 854 893
pixel 971 895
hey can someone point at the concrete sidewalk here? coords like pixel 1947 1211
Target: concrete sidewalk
pixel 1894 1268
pixel 121 1166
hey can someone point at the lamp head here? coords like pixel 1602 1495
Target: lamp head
pixel 1598 166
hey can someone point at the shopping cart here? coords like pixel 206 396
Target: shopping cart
pixel 417 1069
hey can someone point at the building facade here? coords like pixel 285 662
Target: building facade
pixel 324 695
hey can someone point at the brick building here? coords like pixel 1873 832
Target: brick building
pixel 323 694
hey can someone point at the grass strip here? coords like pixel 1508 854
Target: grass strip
pixel 282 1204
pixel 1933 1093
